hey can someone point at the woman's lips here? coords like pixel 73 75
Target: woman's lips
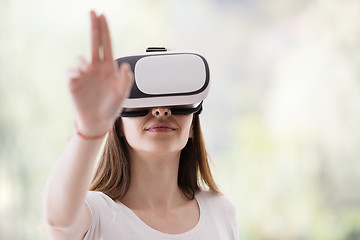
pixel 161 128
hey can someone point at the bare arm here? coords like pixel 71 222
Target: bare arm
pixel 66 215
pixel 97 90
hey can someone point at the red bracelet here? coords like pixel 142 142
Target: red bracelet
pixel 89 138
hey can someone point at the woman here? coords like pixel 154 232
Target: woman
pixel 149 183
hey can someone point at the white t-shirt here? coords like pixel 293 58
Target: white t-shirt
pixel 113 220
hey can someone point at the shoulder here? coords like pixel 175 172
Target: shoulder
pixel 97 201
pixel 98 196
pixel 102 209
pixel 215 199
pixel 217 203
pixel 93 197
pixel 218 212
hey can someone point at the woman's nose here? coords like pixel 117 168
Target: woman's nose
pixel 161 112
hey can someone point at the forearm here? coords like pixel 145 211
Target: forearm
pixel 69 181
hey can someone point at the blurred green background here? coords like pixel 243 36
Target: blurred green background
pixel 281 121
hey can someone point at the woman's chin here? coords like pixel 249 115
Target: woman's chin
pixel 160 147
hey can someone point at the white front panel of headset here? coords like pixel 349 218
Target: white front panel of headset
pixel 167 74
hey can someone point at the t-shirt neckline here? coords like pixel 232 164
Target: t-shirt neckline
pixel 154 231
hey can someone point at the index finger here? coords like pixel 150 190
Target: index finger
pixel 95 37
pixel 105 39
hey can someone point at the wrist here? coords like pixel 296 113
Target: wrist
pixel 89 136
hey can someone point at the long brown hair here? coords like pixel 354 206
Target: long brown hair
pixel 112 175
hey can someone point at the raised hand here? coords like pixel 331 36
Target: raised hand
pixel 98 88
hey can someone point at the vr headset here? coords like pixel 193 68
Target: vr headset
pixel 177 80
